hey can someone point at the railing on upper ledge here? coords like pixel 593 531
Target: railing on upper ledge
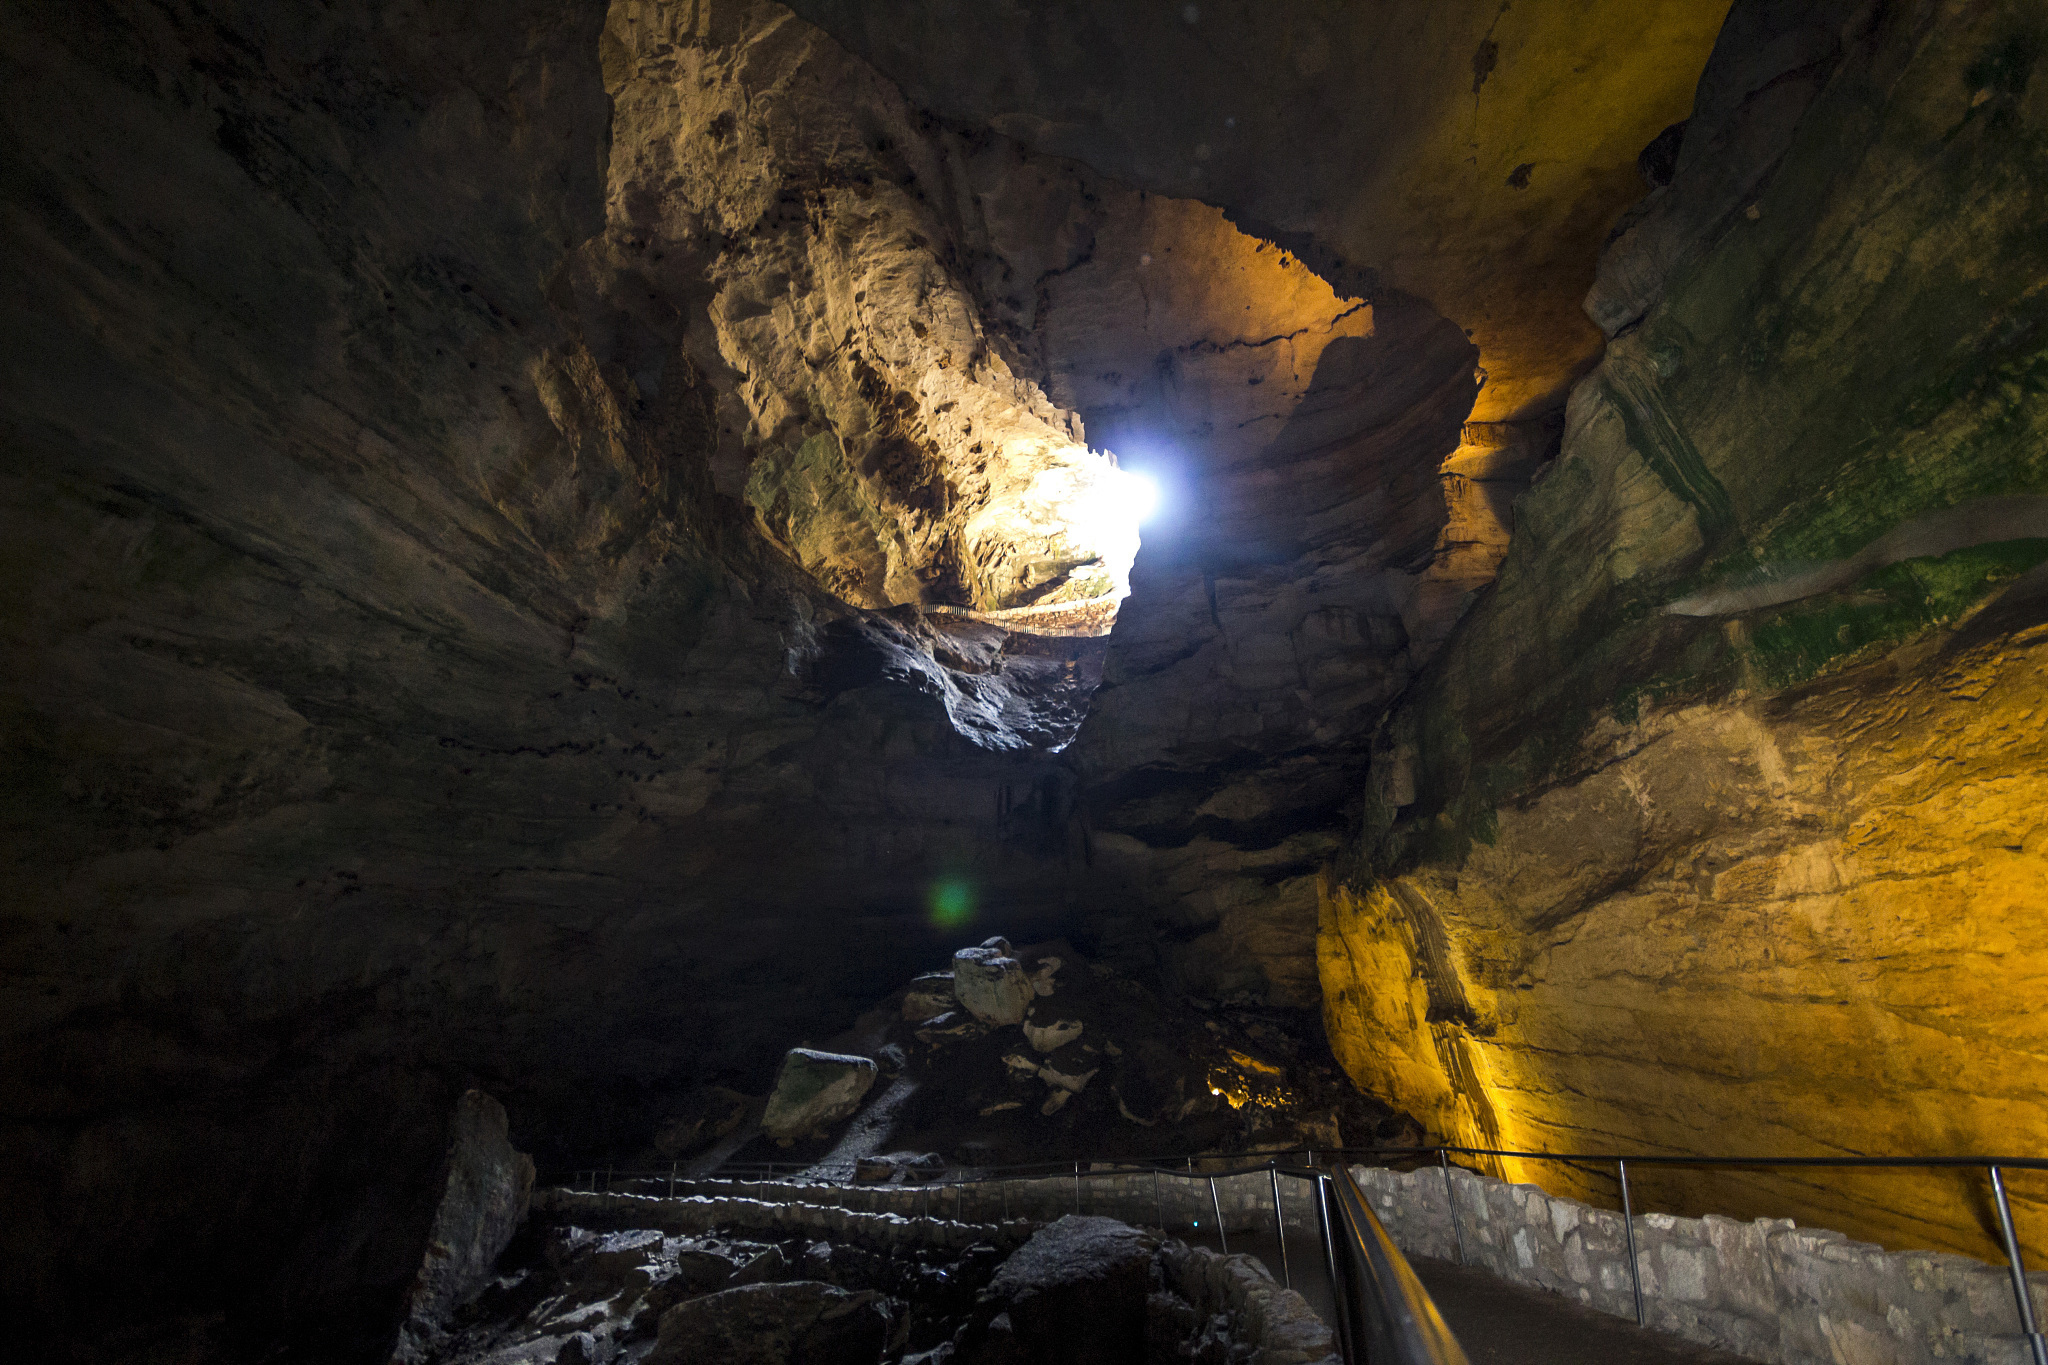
pixel 1383 1312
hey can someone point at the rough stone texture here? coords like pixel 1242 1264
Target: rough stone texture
pixel 702 1118
pixel 393 700
pixel 991 986
pixel 930 996
pixel 1763 882
pixel 796 1323
pixel 863 413
pixel 1074 1293
pixel 958 1208
pixel 1769 63
pixel 452 481
pixel 1276 1323
pixel 1081 1273
pixel 483 1203
pixel 1423 145
pixel 814 1091
pixel 1768 1289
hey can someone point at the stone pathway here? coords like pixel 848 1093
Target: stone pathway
pixel 1506 1324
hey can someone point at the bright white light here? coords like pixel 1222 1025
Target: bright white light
pixel 1107 514
pixel 1138 494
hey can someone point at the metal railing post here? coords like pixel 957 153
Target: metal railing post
pixel 1635 1274
pixel 2018 1269
pixel 1222 1233
pixel 1077 1187
pixel 1158 1202
pixel 1338 1298
pixel 1451 1202
pixel 1280 1226
pixel 672 1179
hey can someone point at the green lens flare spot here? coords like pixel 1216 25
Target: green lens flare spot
pixel 952 902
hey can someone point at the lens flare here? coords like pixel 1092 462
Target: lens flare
pixel 951 902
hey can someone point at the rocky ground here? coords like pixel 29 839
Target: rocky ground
pixel 1082 1289
pixel 1027 1055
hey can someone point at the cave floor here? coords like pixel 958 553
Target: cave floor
pixel 1507 1324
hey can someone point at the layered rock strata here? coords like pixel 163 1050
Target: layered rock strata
pixel 1716 827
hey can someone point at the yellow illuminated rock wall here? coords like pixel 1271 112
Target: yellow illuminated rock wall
pixel 1810 928
pixel 1771 880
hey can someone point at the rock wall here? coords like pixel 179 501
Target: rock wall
pixel 1421 146
pixel 394 703
pixel 405 691
pixel 1717 825
pixel 483 1202
pixel 1768 1289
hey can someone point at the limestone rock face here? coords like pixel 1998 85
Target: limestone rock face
pixel 815 1090
pixel 1688 839
pixel 991 986
pixel 482 1205
pixel 1074 1292
pixel 929 997
pixel 793 1323
pixel 865 414
pixel 1413 146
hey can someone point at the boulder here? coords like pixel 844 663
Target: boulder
pixel 1052 1036
pixel 991 985
pixel 813 1091
pixel 929 997
pixel 949 1027
pixel 1074 1294
pixel 895 1166
pixel 763 1267
pixel 483 1201
pixel 800 1323
pixel 1060 1080
pixel 704 1116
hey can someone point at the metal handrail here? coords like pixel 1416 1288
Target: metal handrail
pixel 1381 1303
pixel 768 1169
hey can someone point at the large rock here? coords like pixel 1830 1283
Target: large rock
pixel 930 996
pixel 1052 1037
pixel 704 1116
pixel 800 1323
pixel 990 984
pixel 813 1091
pixel 483 1201
pixel 1073 1294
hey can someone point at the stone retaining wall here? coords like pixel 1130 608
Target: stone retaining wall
pixel 697 1214
pixel 1276 1323
pixel 1768 1290
pixel 1173 1203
